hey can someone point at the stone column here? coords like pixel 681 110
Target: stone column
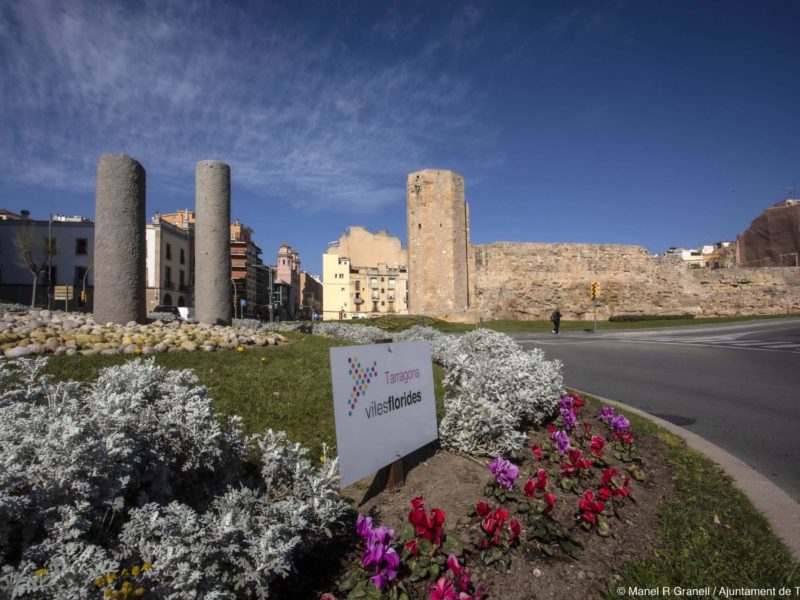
pixel 119 246
pixel 213 242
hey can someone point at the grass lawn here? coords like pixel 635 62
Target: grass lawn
pixel 713 536
pixel 290 390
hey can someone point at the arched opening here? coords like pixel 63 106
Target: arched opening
pixel 181 301
pixel 168 299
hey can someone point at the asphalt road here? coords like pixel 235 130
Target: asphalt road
pixel 738 386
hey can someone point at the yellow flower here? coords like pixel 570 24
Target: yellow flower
pixel 111 578
pixel 137 351
pixel 41 572
pixel 240 349
pixel 323 458
pixel 135 570
pixel 100 581
pixel 146 566
pixel 124 573
pixel 263 359
pixel 139 592
pixel 107 593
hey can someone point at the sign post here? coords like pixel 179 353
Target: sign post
pixel 64 292
pixel 383 405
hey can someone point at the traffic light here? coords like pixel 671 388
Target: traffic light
pixel 594 290
pixel 83 296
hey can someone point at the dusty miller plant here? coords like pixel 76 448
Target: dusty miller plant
pixel 135 466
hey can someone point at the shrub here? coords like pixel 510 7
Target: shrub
pixel 135 466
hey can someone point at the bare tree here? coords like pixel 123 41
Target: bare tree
pixel 33 253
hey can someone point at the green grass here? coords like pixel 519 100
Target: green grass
pixel 290 391
pixel 739 552
pixel 396 323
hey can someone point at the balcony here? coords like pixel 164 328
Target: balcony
pixel 170 285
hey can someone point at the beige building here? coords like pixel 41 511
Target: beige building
pixel 365 274
pixel 169 263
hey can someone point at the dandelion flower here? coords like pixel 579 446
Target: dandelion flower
pixel 41 572
pixel 240 349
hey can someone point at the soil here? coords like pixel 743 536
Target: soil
pixel 455 483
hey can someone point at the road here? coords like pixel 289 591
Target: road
pixel 736 385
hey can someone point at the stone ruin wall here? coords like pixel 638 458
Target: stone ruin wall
pixel 528 280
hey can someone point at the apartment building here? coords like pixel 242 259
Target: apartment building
pixel 169 266
pixel 364 274
pixel 66 260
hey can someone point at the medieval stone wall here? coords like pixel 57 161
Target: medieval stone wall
pixel 529 280
pixel 773 239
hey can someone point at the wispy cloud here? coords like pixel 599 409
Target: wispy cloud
pixel 297 114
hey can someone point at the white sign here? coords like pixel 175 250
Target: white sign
pixel 383 404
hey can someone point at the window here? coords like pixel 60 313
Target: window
pixel 374 294
pixel 373 281
pixel 358 285
pixel 183 257
pixel 168 278
pixel 382 290
pixel 383 303
pixel 181 280
pixel 167 299
pixel 390 296
pixel 82 246
pixel 381 279
pixel 374 307
pixel 391 281
pixel 169 251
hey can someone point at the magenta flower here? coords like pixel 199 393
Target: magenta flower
pixel 443 590
pixel 561 439
pixel 606 414
pixel 378 554
pixel 504 472
pixel 620 424
pixel 364 526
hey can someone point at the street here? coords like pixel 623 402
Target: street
pixel 736 385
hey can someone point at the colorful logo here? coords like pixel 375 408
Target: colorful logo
pixel 362 376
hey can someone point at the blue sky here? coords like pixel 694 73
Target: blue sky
pixel 650 123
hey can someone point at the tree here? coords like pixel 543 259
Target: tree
pixel 33 253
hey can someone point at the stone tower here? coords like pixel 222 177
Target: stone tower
pixel 438 241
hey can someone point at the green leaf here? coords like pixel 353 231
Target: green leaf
pixel 408 533
pixel 523 507
pixel 571 549
pixel 603 528
pixel 452 546
pixel 425 547
pixel 434 571
pixel 360 591
pixel 501 566
pixel 567 484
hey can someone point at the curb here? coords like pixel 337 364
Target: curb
pixel 780 510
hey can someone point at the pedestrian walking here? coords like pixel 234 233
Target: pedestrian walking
pixel 555 318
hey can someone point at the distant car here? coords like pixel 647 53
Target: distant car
pixel 163 308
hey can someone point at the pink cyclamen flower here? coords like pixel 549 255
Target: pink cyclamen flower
pixel 452 564
pixel 443 590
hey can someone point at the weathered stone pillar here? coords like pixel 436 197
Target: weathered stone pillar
pixel 213 242
pixel 119 246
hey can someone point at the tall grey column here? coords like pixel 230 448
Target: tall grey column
pixel 119 246
pixel 212 248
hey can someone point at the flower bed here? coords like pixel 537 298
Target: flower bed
pixel 579 499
